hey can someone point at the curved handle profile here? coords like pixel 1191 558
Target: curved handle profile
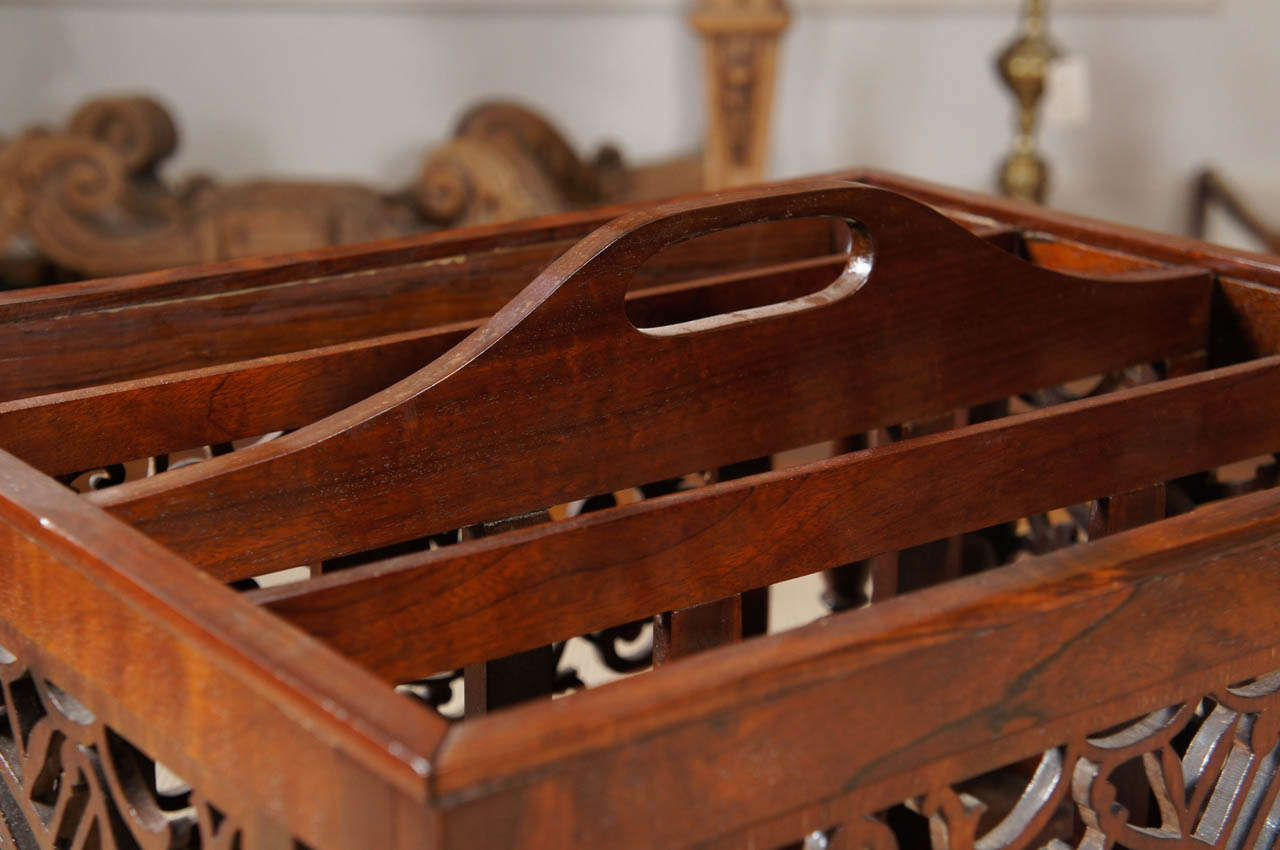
pixel 559 396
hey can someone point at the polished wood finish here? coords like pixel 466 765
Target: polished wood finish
pixel 687 631
pixel 868 339
pixel 178 409
pixel 164 656
pixel 643 405
pixel 844 717
pixel 849 507
pixel 504 681
pixel 1155 247
pixel 252 309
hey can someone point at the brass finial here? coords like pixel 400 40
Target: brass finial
pixel 1024 66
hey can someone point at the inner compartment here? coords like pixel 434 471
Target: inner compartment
pixel 404 316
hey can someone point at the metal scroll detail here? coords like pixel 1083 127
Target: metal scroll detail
pixel 70 781
pixel 1202 773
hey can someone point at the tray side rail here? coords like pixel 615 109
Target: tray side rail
pixel 55 340
pixel 126 420
pixel 114 646
pixel 818 729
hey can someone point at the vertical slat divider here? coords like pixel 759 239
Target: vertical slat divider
pixel 854 585
pixel 755 603
pixel 1124 511
pixel 878 578
pixel 690 630
pixel 1108 516
pixel 500 682
pixel 677 634
pixel 1112 515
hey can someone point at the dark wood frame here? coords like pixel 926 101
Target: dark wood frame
pixel 1212 190
pixel 281 716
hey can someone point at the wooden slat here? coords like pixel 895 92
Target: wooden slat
pixel 943 320
pixel 172 411
pixel 462 278
pixel 83 428
pixel 1246 322
pixel 1124 511
pixel 502 682
pixel 874 706
pixel 1078 258
pixel 256 272
pixel 1160 247
pixel 418 614
pixel 152 338
pixel 201 281
pixel 1108 516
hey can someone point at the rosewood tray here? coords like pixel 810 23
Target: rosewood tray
pixel 265 525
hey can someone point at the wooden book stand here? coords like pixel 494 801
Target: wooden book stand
pixel 420 421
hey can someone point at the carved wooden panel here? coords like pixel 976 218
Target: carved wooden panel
pixel 70 782
pixel 1200 773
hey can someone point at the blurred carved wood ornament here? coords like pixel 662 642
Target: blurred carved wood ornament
pixel 89 197
pixel 740 47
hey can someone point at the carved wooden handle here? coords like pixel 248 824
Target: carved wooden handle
pixel 587 285
pixel 657 231
pixel 559 395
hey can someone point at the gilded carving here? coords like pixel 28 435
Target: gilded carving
pixel 740 43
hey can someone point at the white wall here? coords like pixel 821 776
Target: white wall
pixel 361 92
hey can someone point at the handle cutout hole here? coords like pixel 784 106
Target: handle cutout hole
pixel 748 272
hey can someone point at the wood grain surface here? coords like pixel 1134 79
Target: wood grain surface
pixel 875 706
pixel 489 597
pixel 900 332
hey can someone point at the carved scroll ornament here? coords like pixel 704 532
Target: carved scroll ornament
pixel 1198 774
pixel 88 197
